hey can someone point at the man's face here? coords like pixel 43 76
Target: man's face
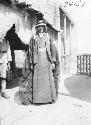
pixel 41 29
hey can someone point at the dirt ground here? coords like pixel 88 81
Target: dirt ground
pixel 72 107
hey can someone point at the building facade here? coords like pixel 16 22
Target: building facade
pixel 26 14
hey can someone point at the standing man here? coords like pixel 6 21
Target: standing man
pixel 43 86
pixel 5 57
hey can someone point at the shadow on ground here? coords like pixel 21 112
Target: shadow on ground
pixel 17 98
pixel 79 86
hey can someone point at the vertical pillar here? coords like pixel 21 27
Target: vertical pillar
pixel 59 47
pixel 59 52
pixel 70 49
pixel 70 39
pixel 64 32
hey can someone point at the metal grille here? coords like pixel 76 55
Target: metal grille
pixel 84 64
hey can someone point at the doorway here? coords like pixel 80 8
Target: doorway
pixel 18 52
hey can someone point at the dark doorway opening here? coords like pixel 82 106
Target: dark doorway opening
pixel 15 44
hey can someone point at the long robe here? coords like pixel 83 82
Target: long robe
pixel 43 86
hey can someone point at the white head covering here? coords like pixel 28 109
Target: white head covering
pixel 41 23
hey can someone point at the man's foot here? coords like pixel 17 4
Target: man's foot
pixel 3 94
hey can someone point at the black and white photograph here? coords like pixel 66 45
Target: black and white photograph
pixel 45 62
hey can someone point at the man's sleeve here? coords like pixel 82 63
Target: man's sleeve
pixel 53 50
pixel 48 48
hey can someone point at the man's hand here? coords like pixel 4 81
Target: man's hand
pixel 53 65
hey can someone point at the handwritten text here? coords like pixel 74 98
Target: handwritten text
pixel 77 4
